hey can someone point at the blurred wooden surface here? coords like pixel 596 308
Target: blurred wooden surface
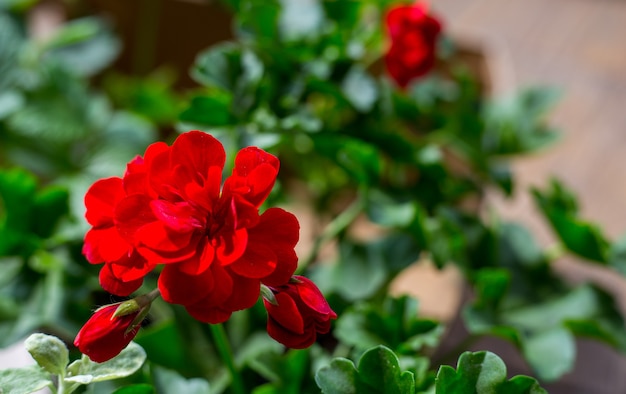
pixel 578 46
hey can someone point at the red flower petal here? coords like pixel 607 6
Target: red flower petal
pixel 313 297
pixel 104 337
pixel 210 315
pixel 286 313
pixel 179 288
pixel 104 244
pixel 131 267
pixel 101 199
pixel 253 176
pixel 210 308
pixel 180 216
pixel 131 213
pixel 113 285
pixel 197 153
pixel 245 293
pixel 301 312
pixel 230 246
pixel 136 176
pixel 278 230
pixel 259 261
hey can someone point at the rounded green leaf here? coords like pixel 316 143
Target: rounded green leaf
pixel 49 352
pixel 85 371
pixel 551 353
pixel 340 377
pixel 23 380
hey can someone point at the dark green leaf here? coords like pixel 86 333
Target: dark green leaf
pixel 491 286
pixel 50 205
pixel 482 373
pixel 209 110
pixel 135 389
pixel 580 237
pixel 394 324
pixel 378 372
pixel 219 66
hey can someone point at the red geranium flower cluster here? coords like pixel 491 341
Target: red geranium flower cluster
pixel 413 33
pixel 171 209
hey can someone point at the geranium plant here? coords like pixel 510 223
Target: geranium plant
pixel 166 251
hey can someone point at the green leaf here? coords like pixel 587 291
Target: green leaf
pixel 394 324
pixel 135 389
pixel 50 205
pixel 152 339
pixel 583 238
pixel 42 307
pixel 85 46
pixel 551 353
pixel 491 286
pixel 482 373
pixel 167 381
pixel 219 66
pixel 50 352
pixel 515 124
pixel 287 372
pixel 359 272
pixel 378 372
pixel 359 159
pixel 24 380
pixel 300 19
pixel 379 368
pixel 360 89
pixel 10 102
pixel 617 255
pixel 85 371
pixel 579 303
pixel 385 210
pixel 211 110
pixel 11 41
pixel 518 240
pixel 340 377
pixel 259 20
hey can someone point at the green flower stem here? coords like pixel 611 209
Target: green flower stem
pixel 334 228
pixel 224 350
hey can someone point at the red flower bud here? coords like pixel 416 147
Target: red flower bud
pixel 300 312
pixel 413 33
pixel 104 336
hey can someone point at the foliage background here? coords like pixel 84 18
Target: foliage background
pixel 70 130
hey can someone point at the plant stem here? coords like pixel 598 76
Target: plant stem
pixel 226 354
pixel 336 226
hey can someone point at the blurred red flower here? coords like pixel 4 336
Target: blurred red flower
pixel 168 209
pixel 413 33
pixel 300 313
pixel 103 336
